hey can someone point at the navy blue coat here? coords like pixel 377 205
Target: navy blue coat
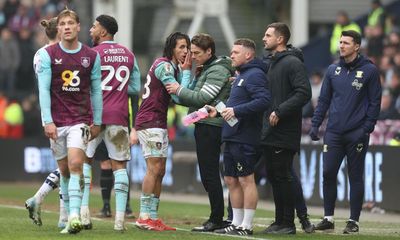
pixel 249 98
pixel 352 92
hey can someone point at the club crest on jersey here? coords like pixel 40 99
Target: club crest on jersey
pixel 168 68
pixel 356 84
pixel 85 61
pixel 337 70
pixel 359 74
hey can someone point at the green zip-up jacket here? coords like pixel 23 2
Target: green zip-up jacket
pixel 210 86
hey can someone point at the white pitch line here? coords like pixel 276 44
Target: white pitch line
pixel 131 223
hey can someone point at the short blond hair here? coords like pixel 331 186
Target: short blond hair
pixel 68 13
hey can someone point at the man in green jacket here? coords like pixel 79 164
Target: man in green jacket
pixel 209 86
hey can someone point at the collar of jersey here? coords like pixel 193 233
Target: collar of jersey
pixel 107 42
pixel 71 51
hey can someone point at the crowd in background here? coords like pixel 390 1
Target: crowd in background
pixel 21 36
pixel 381 44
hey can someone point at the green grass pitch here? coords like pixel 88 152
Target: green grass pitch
pixel 15 224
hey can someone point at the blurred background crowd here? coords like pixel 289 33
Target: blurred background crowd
pixel 21 36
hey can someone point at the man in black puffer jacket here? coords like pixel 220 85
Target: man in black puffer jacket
pixel 300 203
pixel 290 91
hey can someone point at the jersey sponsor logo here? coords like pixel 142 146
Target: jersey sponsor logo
pixel 113 50
pixel 359 74
pixel 85 61
pixel 337 70
pixel 357 85
pixel 57 61
pixel 71 81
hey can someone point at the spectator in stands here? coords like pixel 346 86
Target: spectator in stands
pixel 22 19
pixel 32 120
pixel 394 86
pixel 394 39
pixel 388 111
pixel 14 118
pixel 10 8
pixel 10 60
pixel 396 140
pixel 343 23
pixel 374 31
pixel 376 17
pixel 3 19
pixel 3 124
pixel 25 82
pixel 316 83
pixel 386 68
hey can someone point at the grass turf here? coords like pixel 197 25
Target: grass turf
pixel 15 224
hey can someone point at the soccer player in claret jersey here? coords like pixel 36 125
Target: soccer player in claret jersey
pixel 120 76
pixel 33 204
pixel 69 79
pixel 151 124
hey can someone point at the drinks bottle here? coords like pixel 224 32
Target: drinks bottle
pixel 220 107
pixel 195 116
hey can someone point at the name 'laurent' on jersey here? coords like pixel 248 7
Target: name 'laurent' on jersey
pixel 109 58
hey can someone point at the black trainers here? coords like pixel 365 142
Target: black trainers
pixel 241 231
pixel 207 226
pixel 226 229
pixel 351 227
pixel 306 225
pixel 285 229
pixel 325 225
pixel 271 228
pixel 105 212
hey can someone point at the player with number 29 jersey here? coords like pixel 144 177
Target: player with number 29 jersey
pixel 120 75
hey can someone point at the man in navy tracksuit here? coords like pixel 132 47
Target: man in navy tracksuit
pixel 352 93
pixel 248 99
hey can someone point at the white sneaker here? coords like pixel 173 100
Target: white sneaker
pixel 34 210
pixel 85 217
pixel 119 225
